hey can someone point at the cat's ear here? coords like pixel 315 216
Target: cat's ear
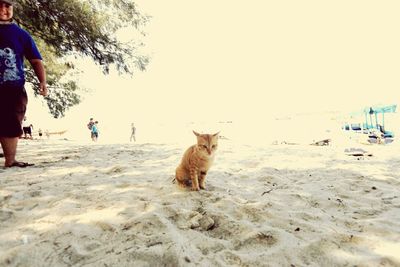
pixel 216 134
pixel 196 133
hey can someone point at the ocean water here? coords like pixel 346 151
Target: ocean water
pixel 300 129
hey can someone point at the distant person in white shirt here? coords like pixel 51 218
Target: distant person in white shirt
pixel 27 128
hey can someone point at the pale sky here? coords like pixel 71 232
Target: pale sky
pixel 227 60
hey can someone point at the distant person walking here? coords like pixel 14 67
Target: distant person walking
pixel 95 131
pixel 15 45
pixel 133 132
pixel 47 133
pixel 89 126
pixel 27 127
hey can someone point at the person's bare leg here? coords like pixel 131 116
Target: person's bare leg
pixel 9 145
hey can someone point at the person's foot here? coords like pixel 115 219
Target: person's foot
pixel 20 164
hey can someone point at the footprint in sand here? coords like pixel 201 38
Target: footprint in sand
pixel 368 213
pixel 6 215
pixel 147 225
pixel 224 228
pixel 74 253
pixel 232 259
pixel 201 222
pixel 106 227
pixel 35 193
pixel 255 239
pixel 253 214
pixel 4 199
pixel 115 169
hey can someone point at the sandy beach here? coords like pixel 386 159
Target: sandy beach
pixel 297 90
pixel 86 204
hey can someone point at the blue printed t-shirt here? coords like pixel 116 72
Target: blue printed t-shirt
pixel 94 129
pixel 15 44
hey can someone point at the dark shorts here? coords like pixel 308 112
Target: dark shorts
pixel 27 130
pixel 13 101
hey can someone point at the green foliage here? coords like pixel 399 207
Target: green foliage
pixel 65 28
pixel 63 90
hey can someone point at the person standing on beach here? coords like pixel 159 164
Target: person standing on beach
pixel 27 127
pixel 95 131
pixel 15 45
pixel 89 126
pixel 47 133
pixel 133 132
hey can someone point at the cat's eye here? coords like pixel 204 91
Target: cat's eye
pixel 214 146
pixel 204 146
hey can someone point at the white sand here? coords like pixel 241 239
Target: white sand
pixel 114 205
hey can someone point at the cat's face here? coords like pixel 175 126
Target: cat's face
pixel 207 143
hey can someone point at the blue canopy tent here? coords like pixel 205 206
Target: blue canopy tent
pixel 369 112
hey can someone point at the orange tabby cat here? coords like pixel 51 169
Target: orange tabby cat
pixel 196 161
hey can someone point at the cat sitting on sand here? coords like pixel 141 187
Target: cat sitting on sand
pixel 196 162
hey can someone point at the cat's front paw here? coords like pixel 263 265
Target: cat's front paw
pixel 203 186
pixel 195 188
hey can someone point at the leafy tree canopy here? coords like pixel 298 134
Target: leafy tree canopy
pixel 65 28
